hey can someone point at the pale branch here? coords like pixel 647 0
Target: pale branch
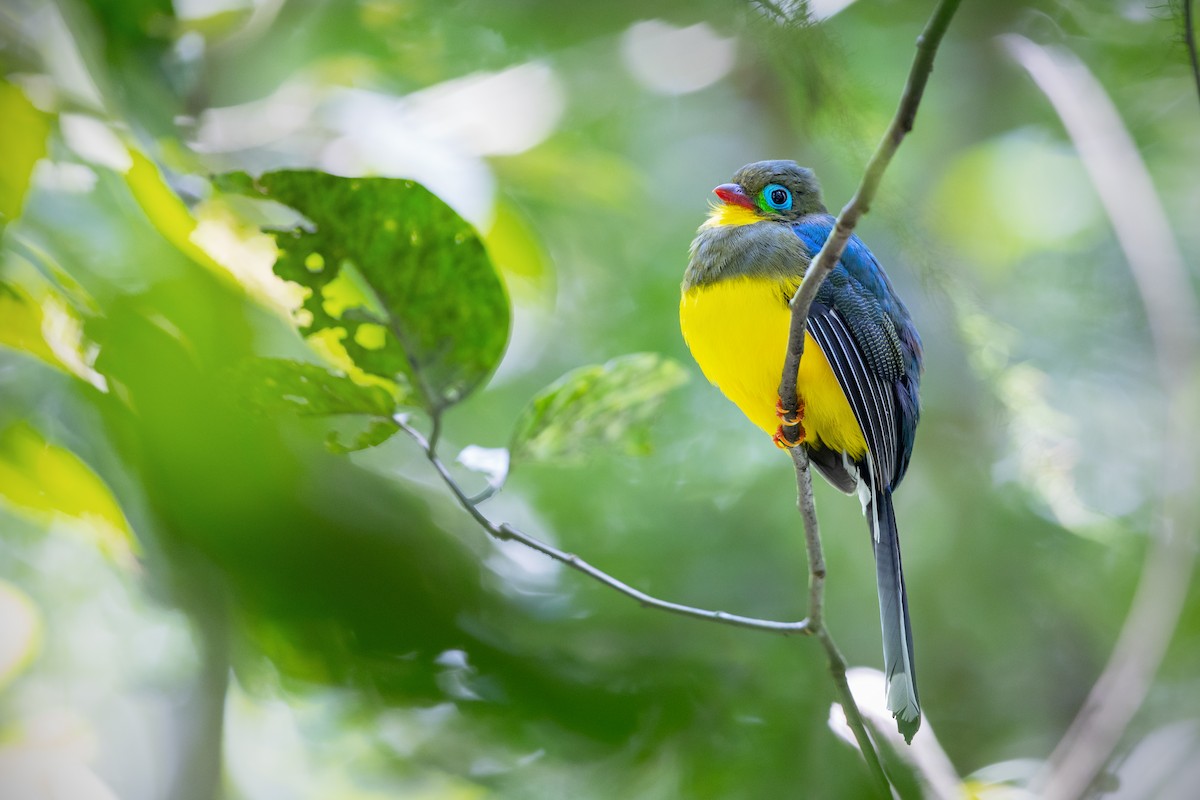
pixel 505 532
pixel 816 619
pixel 1189 39
pixel 860 203
pixel 1123 184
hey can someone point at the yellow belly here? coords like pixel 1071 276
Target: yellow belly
pixel 737 330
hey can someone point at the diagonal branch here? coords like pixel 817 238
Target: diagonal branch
pixel 1189 39
pixel 1160 274
pixel 821 266
pixel 860 203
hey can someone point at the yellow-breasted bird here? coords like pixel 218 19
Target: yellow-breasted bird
pixel 858 379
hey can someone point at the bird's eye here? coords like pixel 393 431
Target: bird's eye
pixel 777 197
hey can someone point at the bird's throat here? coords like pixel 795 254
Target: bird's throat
pixel 724 214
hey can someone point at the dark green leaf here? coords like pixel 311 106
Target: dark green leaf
pixel 603 405
pixel 395 274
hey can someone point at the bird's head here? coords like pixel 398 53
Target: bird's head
pixel 767 191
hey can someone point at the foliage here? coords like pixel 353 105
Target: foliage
pixel 465 203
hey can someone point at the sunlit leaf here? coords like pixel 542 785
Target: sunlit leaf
pixel 399 279
pixel 600 406
pixel 48 330
pixel 515 249
pixel 20 631
pixel 21 324
pixel 166 211
pixel 23 142
pixel 47 482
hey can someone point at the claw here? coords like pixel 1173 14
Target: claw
pixel 793 420
pixel 783 441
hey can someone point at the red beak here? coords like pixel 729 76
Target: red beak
pixel 734 195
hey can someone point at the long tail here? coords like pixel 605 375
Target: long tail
pixel 893 615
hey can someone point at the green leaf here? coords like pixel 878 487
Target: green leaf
pixel 23 143
pixel 377 431
pixel 604 405
pixel 43 481
pixel 396 277
pixel 273 385
pixel 310 390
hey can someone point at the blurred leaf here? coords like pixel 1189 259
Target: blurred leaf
pixel 23 143
pixel 396 276
pixel 604 405
pixel 21 325
pixel 167 212
pixel 48 329
pixel 514 247
pixel 42 480
pixel 20 631
pixel 492 462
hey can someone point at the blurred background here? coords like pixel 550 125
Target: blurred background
pixel 200 601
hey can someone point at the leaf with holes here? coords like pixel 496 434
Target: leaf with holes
pixel 272 385
pixel 606 405
pixel 396 279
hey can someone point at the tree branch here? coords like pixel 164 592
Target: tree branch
pixel 816 620
pixel 505 532
pixel 1139 220
pixel 821 266
pixel 860 203
pixel 1189 38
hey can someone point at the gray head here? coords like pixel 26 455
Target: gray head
pixel 775 190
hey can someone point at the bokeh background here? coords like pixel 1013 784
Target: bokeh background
pixel 198 600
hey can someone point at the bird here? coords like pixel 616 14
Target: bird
pixel 859 378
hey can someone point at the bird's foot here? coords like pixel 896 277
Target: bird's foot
pixel 789 420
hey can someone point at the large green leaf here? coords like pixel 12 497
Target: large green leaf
pixel 397 278
pixel 603 405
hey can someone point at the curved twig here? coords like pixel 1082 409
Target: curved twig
pixel 1123 184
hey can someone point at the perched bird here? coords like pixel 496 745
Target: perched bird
pixel 858 379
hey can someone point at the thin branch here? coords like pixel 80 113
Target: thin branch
pixel 1139 220
pixel 1189 38
pixel 506 532
pixel 902 123
pixel 816 620
pixel 821 266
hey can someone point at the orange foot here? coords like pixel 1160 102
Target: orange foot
pixel 779 438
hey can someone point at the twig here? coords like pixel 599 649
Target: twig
pixel 1116 169
pixel 506 532
pixel 816 620
pixel 860 203
pixel 1189 38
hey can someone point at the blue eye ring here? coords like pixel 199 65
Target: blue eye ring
pixel 777 197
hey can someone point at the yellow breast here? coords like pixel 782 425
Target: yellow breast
pixel 737 330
